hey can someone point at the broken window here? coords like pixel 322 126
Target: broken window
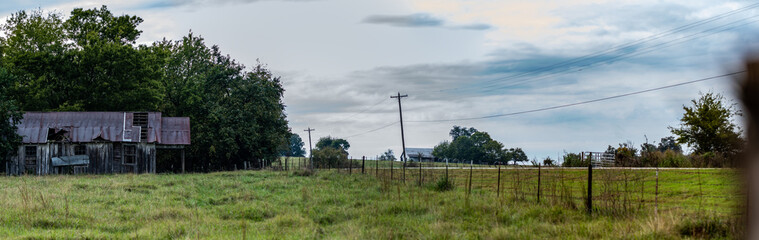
pixel 80 150
pixel 30 155
pixel 130 154
pixel 141 120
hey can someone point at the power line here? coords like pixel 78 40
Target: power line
pixel 365 110
pixel 588 57
pixel 583 102
pixel 705 33
pixel 622 46
pixel 373 130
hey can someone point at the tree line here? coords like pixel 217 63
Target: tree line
pixel 707 127
pixel 92 61
pixel 469 144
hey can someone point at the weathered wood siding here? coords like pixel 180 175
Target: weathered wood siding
pixel 104 159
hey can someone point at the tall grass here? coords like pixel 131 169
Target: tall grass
pixel 279 205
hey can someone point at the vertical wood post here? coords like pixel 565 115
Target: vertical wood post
pixel 538 182
pixel 420 171
pixel 404 171
pixel 471 166
pixel 590 184
pixel 498 190
pixel 446 169
pixel 350 166
pixel 182 160
pixel 363 163
pixel 376 167
pixel 391 170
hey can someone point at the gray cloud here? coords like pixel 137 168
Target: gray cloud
pixel 413 20
pixel 475 26
pixel 420 20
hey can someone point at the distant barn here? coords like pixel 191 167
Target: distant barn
pixel 420 155
pixel 95 142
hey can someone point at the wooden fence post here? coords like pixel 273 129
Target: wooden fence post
pixel 471 165
pixel 420 171
pixel 590 184
pixel 498 194
pixel 538 182
pixel 363 162
pixel 350 166
pixel 403 178
pixel 391 170
pixel 446 169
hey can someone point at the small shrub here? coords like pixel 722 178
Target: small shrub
pixel 443 184
pixel 303 172
pixel 674 159
pixel 705 227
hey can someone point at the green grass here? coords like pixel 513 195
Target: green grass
pixel 327 205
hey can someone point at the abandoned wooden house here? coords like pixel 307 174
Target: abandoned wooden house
pixel 95 142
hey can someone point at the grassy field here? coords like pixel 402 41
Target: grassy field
pixel 295 162
pixel 328 205
pixel 715 190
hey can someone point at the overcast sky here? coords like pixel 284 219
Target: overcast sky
pixel 340 60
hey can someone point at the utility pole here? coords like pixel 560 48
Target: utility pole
pixel 403 139
pixel 310 151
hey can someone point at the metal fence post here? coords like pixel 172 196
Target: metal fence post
pixel 656 194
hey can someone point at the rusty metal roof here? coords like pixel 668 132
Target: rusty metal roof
pixel 35 127
pixel 175 131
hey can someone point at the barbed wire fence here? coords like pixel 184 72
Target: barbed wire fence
pixel 614 191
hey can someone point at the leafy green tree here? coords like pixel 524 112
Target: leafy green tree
pixel 548 162
pixel 336 143
pixel 388 156
pixel 458 131
pixel 87 62
pixel 293 147
pixel 9 138
pixel 237 115
pixel 330 157
pixel 669 143
pixel 517 155
pixel 443 150
pixel 468 144
pixel 707 126
pixel 331 152
pixel 91 61
pixel 575 160
pixel 626 155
